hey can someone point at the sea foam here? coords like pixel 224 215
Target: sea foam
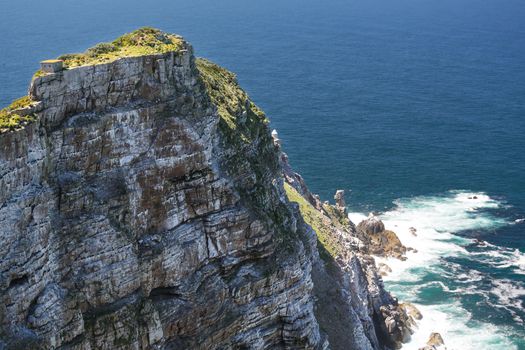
pixel 424 277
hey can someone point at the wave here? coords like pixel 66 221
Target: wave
pixel 441 278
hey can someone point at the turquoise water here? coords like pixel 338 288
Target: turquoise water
pixel 413 105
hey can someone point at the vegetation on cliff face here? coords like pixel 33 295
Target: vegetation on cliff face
pixel 230 99
pixel 248 149
pixel 10 119
pixel 313 217
pixel 143 41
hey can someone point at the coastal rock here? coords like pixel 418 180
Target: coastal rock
pixel 340 199
pixel 412 311
pixel 371 225
pixel 435 342
pixel 384 269
pixel 386 243
pixel 379 241
pixel 347 282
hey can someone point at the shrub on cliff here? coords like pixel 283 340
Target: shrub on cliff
pixel 143 41
pixel 10 119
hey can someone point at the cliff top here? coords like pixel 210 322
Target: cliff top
pixel 141 42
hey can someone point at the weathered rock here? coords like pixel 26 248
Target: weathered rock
pixel 386 243
pixel 379 241
pixel 412 311
pixel 347 283
pixel 435 342
pixel 340 199
pixel 384 269
pixel 371 225
pixel 435 339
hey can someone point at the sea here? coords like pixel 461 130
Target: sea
pixel 415 107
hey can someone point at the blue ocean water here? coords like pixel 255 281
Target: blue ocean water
pixel 411 105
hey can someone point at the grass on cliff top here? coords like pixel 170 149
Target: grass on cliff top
pixel 143 41
pixel 9 119
pixel 313 217
pixel 227 95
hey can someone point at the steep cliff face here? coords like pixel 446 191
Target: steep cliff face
pixel 143 207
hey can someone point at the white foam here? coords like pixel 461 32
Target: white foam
pixel 435 219
pixel 458 330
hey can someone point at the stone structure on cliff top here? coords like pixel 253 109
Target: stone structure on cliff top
pixel 144 207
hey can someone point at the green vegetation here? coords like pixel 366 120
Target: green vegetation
pixel 19 103
pixel 143 41
pixel 39 73
pixel 227 95
pixel 249 156
pixel 319 223
pixel 11 120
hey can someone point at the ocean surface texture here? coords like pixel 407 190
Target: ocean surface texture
pixel 415 107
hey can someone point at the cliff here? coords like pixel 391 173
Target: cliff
pixel 144 205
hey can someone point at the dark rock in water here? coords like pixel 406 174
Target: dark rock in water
pixel 413 231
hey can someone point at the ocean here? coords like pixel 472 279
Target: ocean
pixel 415 107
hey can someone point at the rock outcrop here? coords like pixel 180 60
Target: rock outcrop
pixel 144 207
pixel 346 282
pixel 372 225
pixel 435 342
pixel 340 202
pixel 379 241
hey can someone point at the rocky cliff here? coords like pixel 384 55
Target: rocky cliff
pixel 144 205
